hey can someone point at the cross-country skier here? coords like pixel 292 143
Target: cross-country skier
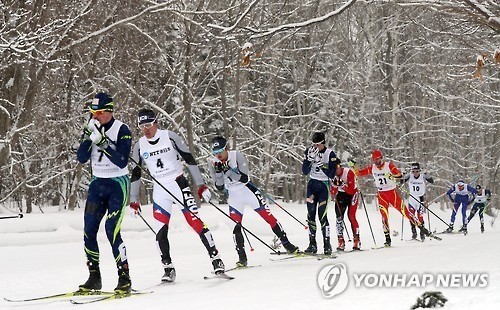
pixel 229 171
pixel 345 190
pixel 417 186
pixel 106 142
pixel 460 194
pixel 385 174
pixel 319 163
pixel 482 198
pixel 161 151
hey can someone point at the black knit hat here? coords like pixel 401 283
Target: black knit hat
pixel 146 116
pixel 102 101
pixel 318 137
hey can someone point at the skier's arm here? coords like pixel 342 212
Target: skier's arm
pixel 183 150
pixel 405 178
pixel 330 168
pixel 135 180
pixel 240 172
pixel 428 178
pixel 350 186
pixel 449 192
pixel 306 163
pixel 487 193
pixel 364 171
pixel 123 146
pixel 217 177
pixel 84 151
pixel 395 171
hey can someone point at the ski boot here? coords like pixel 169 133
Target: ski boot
pixel 327 246
pixel 94 281
pixel 413 232
pixel 388 240
pixel 482 227
pixel 218 265
pixel 356 243
pixel 449 230
pixel 464 229
pixel 289 247
pixel 341 246
pixel 124 286
pixel 313 247
pixel 169 275
pixel 242 259
pixel 422 235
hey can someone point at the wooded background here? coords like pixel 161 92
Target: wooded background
pixel 402 76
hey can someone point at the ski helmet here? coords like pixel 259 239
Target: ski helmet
pixel 478 187
pixel 318 138
pixel 377 154
pixel 415 166
pixel 460 183
pixel 218 144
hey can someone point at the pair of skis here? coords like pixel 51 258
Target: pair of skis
pixel 93 296
pixel 98 296
pixel 301 255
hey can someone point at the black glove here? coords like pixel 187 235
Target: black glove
pixel 221 167
pixel 337 181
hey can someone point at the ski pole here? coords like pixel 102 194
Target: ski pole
pixel 147 224
pixel 277 204
pixel 183 205
pixel 429 220
pixel 12 216
pixel 367 217
pixel 245 229
pixel 402 226
pixel 347 232
pixel 248 240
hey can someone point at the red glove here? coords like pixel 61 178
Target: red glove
pixel 204 193
pixel 333 191
pixel 136 207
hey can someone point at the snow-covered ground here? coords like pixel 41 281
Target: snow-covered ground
pixel 43 254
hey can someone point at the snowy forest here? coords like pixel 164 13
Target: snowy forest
pixel 418 79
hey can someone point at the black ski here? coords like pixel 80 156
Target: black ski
pixel 222 276
pixel 349 251
pixel 242 267
pixel 303 254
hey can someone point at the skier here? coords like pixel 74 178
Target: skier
pixel 482 198
pixel 385 174
pixel 319 163
pixel 229 171
pixel 345 190
pixel 417 186
pixel 460 194
pixel 106 142
pixel 161 151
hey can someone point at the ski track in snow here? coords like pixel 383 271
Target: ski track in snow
pixel 43 254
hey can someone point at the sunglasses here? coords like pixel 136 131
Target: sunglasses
pixel 215 152
pixel 146 125
pixel 97 112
